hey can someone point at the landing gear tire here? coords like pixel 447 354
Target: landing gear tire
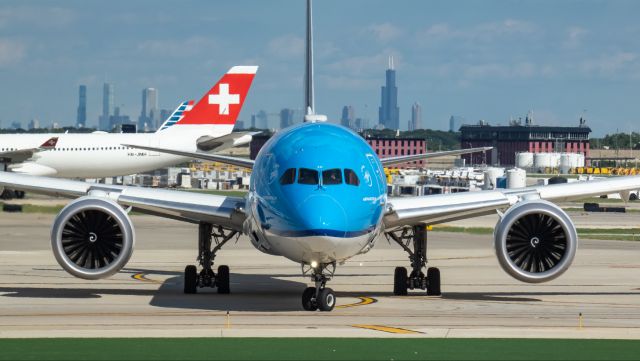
pixel 222 280
pixel 326 300
pixel 433 282
pixel 414 241
pixel 308 302
pixel 190 279
pixel 400 281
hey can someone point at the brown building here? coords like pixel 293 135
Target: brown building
pixel 384 148
pixel 393 147
pixel 509 140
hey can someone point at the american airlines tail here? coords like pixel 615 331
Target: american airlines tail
pixel 215 114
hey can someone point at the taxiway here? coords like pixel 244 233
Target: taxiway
pixel 39 299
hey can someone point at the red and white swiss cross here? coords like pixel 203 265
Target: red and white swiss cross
pixel 222 104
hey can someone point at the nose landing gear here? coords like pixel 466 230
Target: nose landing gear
pixel 319 297
pixel 417 237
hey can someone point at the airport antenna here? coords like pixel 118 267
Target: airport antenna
pixel 309 105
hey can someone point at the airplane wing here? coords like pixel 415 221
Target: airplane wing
pixel 434 209
pixel 208 143
pixel 21 155
pixel 408 158
pixel 185 206
pixel 240 162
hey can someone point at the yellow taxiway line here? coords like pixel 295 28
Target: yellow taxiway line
pixel 387 329
pixel 363 302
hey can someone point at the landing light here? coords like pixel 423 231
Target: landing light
pixel 314 264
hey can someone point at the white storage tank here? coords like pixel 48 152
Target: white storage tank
pixel 524 160
pixel 516 178
pixel 555 160
pixel 541 161
pixel 490 177
pixel 580 161
pixel 567 161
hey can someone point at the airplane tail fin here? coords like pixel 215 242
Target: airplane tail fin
pixel 217 111
pixel 176 115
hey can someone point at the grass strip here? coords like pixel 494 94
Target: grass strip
pixel 316 349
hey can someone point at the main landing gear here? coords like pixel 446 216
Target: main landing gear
pixel 416 235
pixel 207 278
pixel 319 297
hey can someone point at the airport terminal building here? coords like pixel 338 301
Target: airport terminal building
pixel 512 139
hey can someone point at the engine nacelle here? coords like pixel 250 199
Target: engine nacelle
pixel 92 238
pixel 535 241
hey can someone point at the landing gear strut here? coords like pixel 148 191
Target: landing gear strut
pixel 206 255
pixel 417 237
pixel 319 297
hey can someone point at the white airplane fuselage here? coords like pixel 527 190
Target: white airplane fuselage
pixel 94 155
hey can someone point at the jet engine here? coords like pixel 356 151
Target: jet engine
pixel 92 238
pixel 535 241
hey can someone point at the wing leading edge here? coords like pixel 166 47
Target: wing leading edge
pixel 434 209
pixel 185 206
pixel 408 158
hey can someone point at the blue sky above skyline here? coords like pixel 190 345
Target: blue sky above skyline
pixel 487 60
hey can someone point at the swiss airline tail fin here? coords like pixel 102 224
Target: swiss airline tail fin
pixel 217 111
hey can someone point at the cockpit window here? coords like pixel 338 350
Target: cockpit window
pixel 288 177
pixel 331 176
pixel 351 178
pixel 307 176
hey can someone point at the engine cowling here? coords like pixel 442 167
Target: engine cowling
pixel 92 238
pixel 535 241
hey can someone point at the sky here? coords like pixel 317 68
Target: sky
pixel 491 60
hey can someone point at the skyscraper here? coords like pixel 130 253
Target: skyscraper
pixel 81 119
pixel 107 106
pixel 416 117
pixel 389 113
pixel 286 118
pixel 149 116
pixel 348 117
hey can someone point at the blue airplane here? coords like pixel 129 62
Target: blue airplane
pixel 317 197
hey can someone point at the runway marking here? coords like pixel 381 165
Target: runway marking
pixel 142 277
pixel 363 302
pixel 387 329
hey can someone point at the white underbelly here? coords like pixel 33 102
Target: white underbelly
pixel 321 249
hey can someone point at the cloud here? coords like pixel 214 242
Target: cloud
pixel 503 71
pixel 178 48
pixel 365 64
pixel 11 52
pixel 286 46
pixel 487 32
pixel 384 33
pixel 574 36
pixel 349 82
pixel 36 16
pixel 612 64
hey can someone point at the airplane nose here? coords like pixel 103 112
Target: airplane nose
pixel 323 213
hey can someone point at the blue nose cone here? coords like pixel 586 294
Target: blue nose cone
pixel 322 215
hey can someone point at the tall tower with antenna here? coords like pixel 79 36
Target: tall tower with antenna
pixel 389 112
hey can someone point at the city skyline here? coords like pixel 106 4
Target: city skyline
pixel 493 60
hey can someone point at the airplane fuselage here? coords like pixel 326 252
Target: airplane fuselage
pixel 317 194
pixel 94 155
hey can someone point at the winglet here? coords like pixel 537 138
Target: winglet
pixel 50 143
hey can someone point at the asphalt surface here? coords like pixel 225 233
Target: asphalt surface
pixel 39 299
